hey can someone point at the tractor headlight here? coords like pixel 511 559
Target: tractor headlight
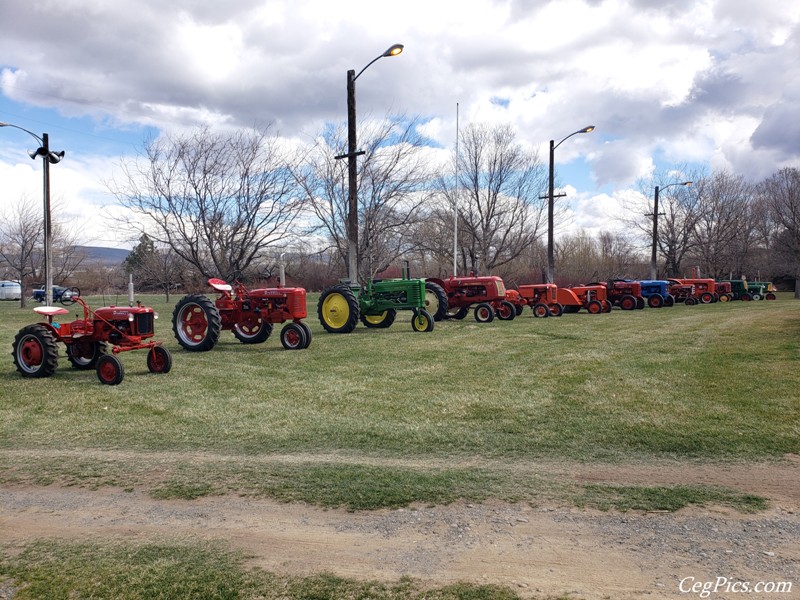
pixel 130 317
pixel 155 315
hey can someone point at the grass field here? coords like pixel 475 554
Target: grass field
pixel 384 418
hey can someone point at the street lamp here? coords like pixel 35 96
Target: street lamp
pixel 551 198
pixel 48 157
pixel 655 226
pixel 352 215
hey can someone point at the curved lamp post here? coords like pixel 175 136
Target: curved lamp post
pixel 655 226
pixel 352 173
pixel 551 199
pixel 48 157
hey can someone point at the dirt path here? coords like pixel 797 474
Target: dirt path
pixel 537 551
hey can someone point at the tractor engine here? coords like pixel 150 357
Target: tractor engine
pixel 117 323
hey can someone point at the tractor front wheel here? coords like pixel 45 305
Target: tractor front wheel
pixel 435 300
pixel 540 310
pixel 307 331
pixel 506 311
pixel 35 351
pixel 770 296
pixel 422 321
pixel 159 360
pixel 338 309
pixel 655 301
pixel 595 307
pixel 706 298
pixel 196 323
pixel 293 336
pixel 110 370
pixel 381 321
pixel 484 313
pixel 556 310
pixel 83 354
pixel 690 301
pixel 628 302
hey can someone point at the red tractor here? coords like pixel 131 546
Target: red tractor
pixel 92 342
pixel 594 298
pixel 542 298
pixel 487 294
pixel 705 289
pixel 624 293
pixel 683 292
pixel 250 314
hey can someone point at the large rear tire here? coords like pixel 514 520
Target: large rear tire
pixel 35 351
pixel 655 301
pixel 435 300
pixel 196 323
pixel 338 309
pixel 457 313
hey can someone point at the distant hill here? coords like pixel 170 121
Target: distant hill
pixel 107 256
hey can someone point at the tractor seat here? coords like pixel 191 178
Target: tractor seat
pixel 220 285
pixel 50 311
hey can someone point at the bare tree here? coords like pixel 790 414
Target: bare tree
pixel 723 228
pixel 500 212
pixel 20 243
pixel 781 194
pixel 392 186
pixel 217 200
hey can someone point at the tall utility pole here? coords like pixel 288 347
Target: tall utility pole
pixel 653 251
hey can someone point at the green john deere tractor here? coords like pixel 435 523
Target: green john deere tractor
pixel 341 306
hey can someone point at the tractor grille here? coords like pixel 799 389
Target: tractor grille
pixel 144 323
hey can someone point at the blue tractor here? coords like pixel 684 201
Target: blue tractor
pixel 656 291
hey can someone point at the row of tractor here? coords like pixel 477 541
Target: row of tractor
pixel 94 339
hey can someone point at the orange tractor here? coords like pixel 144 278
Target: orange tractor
pixel 487 294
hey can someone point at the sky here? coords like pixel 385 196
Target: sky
pixel 713 83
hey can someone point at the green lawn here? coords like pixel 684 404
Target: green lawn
pixel 384 418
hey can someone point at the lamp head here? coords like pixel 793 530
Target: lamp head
pixel 687 183
pixel 55 157
pixel 588 129
pixel 393 50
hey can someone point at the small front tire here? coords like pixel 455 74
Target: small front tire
pixel 422 321
pixel 110 370
pixel 293 336
pixel 159 360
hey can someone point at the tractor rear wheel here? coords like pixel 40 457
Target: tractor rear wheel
pixel 35 351
pixel 769 296
pixel 724 298
pixel 110 370
pixel 669 300
pixel 484 313
pixel 640 303
pixel 540 310
pixel 293 336
pixel 690 301
pixel 254 330
pixel 196 323
pixel 381 321
pixel 628 302
pixel 655 301
pixel 745 297
pixel 159 360
pixel 595 307
pixel 83 354
pixel 506 311
pixel 706 298
pixel 435 300
pixel 422 321
pixel 518 309
pixel 338 309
